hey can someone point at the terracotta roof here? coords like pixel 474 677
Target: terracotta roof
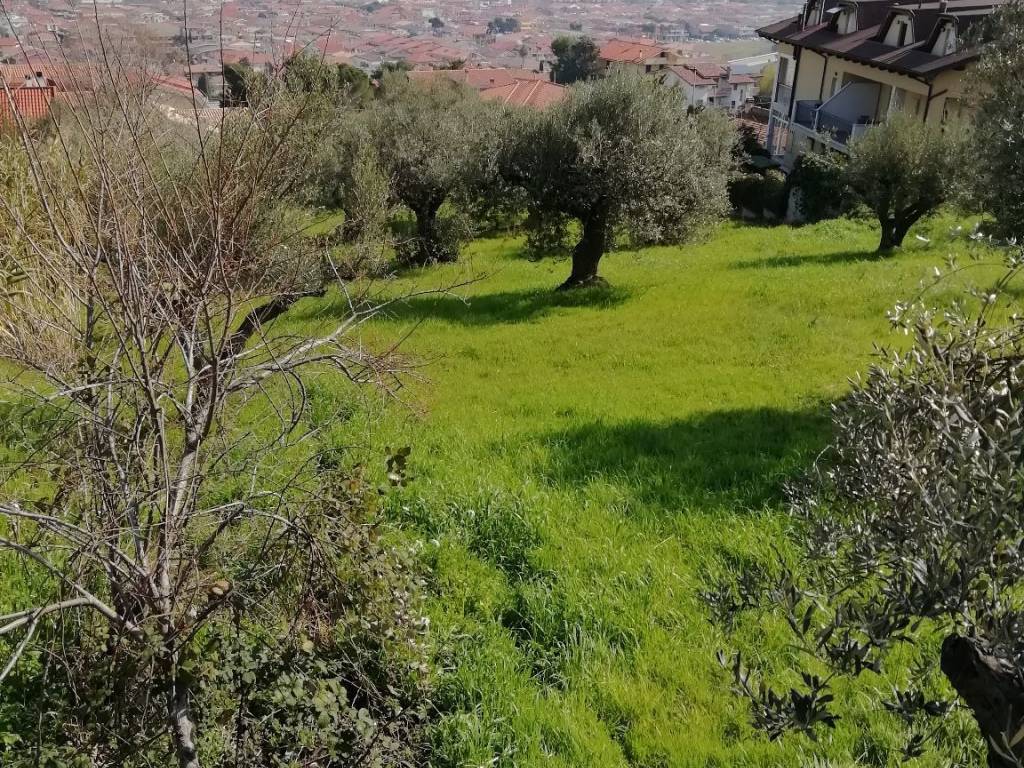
pixel 866 45
pixel 707 69
pixel 741 79
pixel 629 51
pixel 690 77
pixel 481 79
pixel 63 77
pixel 30 103
pixel 759 129
pixel 538 94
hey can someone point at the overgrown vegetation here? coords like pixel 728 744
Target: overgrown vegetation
pixel 996 163
pixel 187 580
pixel 910 532
pixel 212 551
pixel 598 503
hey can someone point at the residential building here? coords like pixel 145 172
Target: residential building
pixel 30 90
pixel 481 78
pixel 708 84
pixel 697 90
pixel 636 55
pixel 845 65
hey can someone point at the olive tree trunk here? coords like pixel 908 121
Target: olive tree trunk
pixel 896 225
pixel 994 690
pixel 430 246
pixel 587 253
pixel 893 232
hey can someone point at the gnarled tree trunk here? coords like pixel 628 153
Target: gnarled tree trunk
pixel 994 690
pixel 430 247
pixel 895 228
pixel 587 253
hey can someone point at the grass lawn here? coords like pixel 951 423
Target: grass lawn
pixel 582 464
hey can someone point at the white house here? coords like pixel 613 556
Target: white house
pixel 698 91
pixel 709 84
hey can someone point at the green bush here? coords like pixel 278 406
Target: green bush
pixel 823 194
pixel 344 680
pixel 759 193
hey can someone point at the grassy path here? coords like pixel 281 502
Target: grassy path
pixel 583 463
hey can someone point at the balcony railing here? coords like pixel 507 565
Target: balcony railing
pixel 783 98
pixel 806 113
pixel 810 114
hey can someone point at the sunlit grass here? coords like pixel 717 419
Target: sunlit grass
pixel 582 464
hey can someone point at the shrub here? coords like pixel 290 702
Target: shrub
pixel 910 533
pixel 759 193
pixel 821 192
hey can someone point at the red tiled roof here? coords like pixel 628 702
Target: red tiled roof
pixel 707 69
pixel 538 94
pixel 170 83
pixel 741 80
pixel 481 79
pixel 29 103
pixel 629 51
pixel 690 77
pixel 63 77
pixel 760 129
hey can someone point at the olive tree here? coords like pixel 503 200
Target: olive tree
pixel 576 58
pixel 622 152
pixel 909 532
pixel 998 156
pixel 308 73
pixel 903 170
pixel 429 141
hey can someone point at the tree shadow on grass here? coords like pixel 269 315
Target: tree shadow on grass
pixel 818 259
pixel 737 458
pixel 502 307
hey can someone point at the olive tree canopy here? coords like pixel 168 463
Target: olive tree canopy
pixel 910 544
pixel 903 170
pixel 998 128
pixel 622 152
pixel 430 141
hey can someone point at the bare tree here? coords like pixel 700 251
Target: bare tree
pixel 172 495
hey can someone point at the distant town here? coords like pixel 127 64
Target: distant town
pixel 185 37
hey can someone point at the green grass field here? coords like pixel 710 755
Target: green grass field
pixel 583 463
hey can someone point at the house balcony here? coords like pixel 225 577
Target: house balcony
pixel 845 116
